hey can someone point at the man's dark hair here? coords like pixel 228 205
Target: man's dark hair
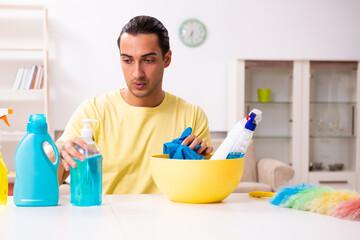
pixel 147 25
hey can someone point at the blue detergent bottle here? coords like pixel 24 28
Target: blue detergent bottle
pixel 86 177
pixel 36 182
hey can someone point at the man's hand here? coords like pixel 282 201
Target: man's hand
pixel 192 141
pixel 68 151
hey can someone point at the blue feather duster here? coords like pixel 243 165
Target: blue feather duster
pixel 285 193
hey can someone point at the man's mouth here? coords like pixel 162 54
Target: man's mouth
pixel 139 85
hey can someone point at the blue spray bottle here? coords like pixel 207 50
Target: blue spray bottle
pixel 36 182
pixel 86 177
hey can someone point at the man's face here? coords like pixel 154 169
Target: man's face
pixel 143 64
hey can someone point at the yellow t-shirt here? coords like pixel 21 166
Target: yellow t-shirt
pixel 128 136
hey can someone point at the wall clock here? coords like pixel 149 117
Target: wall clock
pixel 192 32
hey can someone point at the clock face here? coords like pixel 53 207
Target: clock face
pixel 192 32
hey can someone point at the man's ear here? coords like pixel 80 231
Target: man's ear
pixel 167 58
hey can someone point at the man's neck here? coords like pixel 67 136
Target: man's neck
pixel 149 101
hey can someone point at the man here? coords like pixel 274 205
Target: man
pixel 133 123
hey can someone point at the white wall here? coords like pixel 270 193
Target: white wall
pixel 84 59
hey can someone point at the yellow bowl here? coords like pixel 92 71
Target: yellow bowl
pixel 196 181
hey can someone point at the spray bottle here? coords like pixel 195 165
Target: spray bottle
pixel 86 177
pixel 3 113
pixel 3 182
pixel 3 170
pixel 238 139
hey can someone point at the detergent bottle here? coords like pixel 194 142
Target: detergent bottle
pixel 3 182
pixel 238 139
pixel 36 182
pixel 86 177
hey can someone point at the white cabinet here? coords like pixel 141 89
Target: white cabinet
pixel 309 120
pixel 330 141
pixel 23 44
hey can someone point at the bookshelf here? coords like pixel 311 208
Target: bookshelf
pixel 23 44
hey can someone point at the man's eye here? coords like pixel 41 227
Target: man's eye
pixel 125 60
pixel 149 60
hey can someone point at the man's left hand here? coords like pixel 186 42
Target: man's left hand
pixel 192 141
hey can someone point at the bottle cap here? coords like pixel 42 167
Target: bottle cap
pixel 251 123
pixel 37 123
pixel 86 131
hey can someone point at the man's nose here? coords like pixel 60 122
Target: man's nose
pixel 138 71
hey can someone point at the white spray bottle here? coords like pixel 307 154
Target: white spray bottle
pixel 238 139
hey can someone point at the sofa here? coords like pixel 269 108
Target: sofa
pixel 265 174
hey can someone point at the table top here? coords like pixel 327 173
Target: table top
pixel 153 216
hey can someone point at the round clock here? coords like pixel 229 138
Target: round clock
pixel 192 32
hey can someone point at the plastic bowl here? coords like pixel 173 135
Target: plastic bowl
pixel 196 181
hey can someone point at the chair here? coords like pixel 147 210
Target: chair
pixel 267 174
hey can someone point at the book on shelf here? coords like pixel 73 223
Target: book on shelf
pixel 29 78
pixel 18 78
pixel 39 78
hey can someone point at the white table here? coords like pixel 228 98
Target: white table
pixel 156 217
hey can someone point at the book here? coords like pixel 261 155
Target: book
pixel 18 78
pixel 31 77
pixel 39 77
pixel 24 78
pixel 34 79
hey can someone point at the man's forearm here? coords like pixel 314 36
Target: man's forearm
pixel 62 174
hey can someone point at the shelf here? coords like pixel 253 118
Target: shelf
pixel 21 95
pixel 334 64
pixel 14 136
pixel 22 53
pixel 21 7
pixel 347 103
pixel 326 171
pixel 268 64
pixel 272 137
pixel 332 137
pixel 22 49
pixel 255 102
pixel 11 177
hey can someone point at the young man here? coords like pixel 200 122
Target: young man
pixel 133 123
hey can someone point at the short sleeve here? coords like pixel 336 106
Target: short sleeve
pixel 201 125
pixel 73 128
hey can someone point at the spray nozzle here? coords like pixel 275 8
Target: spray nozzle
pixel 251 122
pixel 3 113
pixel 86 131
pixel 258 117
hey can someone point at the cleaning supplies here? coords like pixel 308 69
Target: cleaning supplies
pixel 3 182
pixel 238 140
pixel 36 182
pixel 324 200
pixel 178 151
pixel 86 177
pixel 3 113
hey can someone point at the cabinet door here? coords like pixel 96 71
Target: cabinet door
pixel 332 136
pixel 276 134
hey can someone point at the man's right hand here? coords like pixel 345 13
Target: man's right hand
pixel 67 152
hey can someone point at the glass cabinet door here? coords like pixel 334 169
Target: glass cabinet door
pixel 268 87
pixel 332 116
